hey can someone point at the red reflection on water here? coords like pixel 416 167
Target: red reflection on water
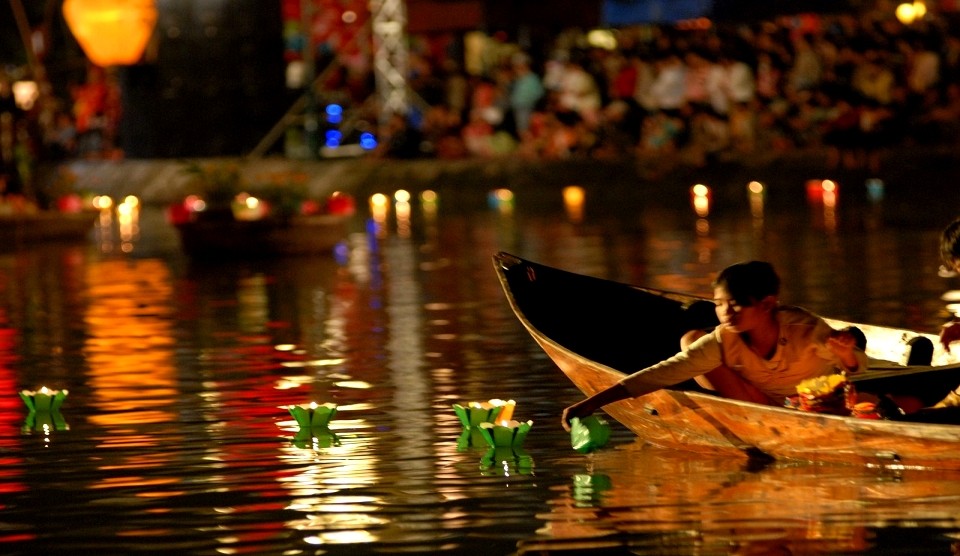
pixel 12 412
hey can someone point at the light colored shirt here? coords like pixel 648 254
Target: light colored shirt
pixel 801 353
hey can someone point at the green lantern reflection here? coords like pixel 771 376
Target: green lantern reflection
pixel 506 461
pixel 588 489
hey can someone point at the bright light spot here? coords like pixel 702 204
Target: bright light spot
pixel 357 384
pixel 25 93
pixel 378 200
pixel 700 190
pixel 602 38
pixel 333 138
pixel 349 16
pixel 368 141
pixel 755 187
pixel 401 196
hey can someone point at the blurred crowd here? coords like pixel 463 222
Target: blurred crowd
pixel 854 85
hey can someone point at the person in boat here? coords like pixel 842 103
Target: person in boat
pixel 759 352
pixel 950 254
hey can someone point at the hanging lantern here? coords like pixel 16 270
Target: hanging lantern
pixel 111 32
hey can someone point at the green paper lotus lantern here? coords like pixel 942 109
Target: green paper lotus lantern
pixel 475 413
pixel 314 420
pixel 470 438
pixel 510 434
pixel 313 415
pixel 589 434
pixel 44 410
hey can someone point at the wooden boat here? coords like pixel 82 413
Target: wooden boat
pixel 268 237
pixel 18 230
pixel 598 330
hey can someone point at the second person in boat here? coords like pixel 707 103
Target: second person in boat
pixel 759 352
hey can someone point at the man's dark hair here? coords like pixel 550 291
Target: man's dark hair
pixel 950 243
pixel 749 282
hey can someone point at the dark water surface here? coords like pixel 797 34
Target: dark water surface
pixel 176 438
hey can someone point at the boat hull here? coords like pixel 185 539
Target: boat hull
pixel 27 229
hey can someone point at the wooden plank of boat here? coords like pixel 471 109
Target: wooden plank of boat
pixel 17 230
pixel 299 235
pixel 568 315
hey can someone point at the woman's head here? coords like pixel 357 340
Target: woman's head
pixel 749 282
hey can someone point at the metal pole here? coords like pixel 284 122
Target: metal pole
pixel 24 27
pixel 311 124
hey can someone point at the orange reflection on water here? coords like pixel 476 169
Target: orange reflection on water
pixel 130 344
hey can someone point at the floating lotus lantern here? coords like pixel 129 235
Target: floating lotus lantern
pixel 313 415
pixel 506 434
pixel 43 400
pixel 589 433
pixel 470 438
pixel 314 420
pixel 475 413
pixel 44 405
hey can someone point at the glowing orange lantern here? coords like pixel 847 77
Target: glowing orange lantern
pixel 111 32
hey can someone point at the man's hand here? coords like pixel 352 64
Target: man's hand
pixel 575 410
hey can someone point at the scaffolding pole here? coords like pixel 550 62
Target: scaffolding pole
pixel 389 23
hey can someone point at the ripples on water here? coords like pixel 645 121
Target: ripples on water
pixel 177 440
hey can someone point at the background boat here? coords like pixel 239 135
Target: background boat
pixel 21 229
pixel 297 235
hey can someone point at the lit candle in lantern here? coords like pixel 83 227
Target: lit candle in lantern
pixel 475 413
pixel 43 400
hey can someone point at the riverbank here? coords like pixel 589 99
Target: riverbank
pixel 927 176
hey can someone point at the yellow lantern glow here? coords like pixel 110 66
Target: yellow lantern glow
pixel 111 32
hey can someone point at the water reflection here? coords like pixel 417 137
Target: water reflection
pixel 630 497
pixel 181 374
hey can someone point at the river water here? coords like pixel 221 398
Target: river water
pixel 176 437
